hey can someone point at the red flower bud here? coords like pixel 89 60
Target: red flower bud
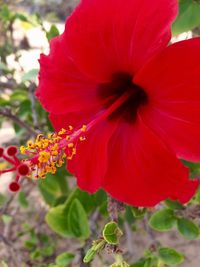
pixel 11 151
pixel 14 186
pixel 23 169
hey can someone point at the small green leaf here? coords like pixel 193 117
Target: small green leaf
pixel 55 187
pixel 112 233
pixel 174 205
pixel 197 196
pixel 6 218
pixel 21 17
pixel 3 67
pixel 98 246
pixel 30 75
pixel 188 17
pixel 163 220
pixel 53 32
pixel 23 200
pixel 19 95
pixel 170 256
pixel 138 212
pixel 64 259
pixel 57 220
pixel 47 251
pixel 3 199
pixel 89 255
pixel 36 255
pixel 78 221
pixel 142 263
pixel 188 229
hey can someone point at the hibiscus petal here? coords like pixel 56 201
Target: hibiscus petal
pixel 63 88
pixel 172 81
pixel 109 36
pixel 90 162
pixel 142 170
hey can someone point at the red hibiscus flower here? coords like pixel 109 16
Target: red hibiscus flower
pixel 112 71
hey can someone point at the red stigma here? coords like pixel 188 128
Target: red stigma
pixel 12 150
pixel 23 169
pixel 14 187
pixel 1 151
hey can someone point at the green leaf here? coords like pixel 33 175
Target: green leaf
pixel 5 13
pixel 142 263
pixel 64 259
pixel 89 255
pixel 19 95
pixel 57 219
pixel 188 17
pixel 197 196
pixel 6 218
pixel 30 75
pixel 3 199
pixel 47 251
pixel 170 256
pixel 78 221
pixel 112 233
pixel 138 212
pixel 188 229
pixel 23 200
pixel 21 17
pixel 3 67
pixel 163 220
pixel 54 188
pixel 36 255
pixel 53 32
pixel 174 205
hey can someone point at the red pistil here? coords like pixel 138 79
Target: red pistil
pixel 46 154
pixel 17 166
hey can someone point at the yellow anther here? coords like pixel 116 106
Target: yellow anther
pixel 54 147
pixel 44 156
pixel 70 127
pixel 69 157
pixel 84 128
pixel 22 149
pixel 30 144
pixel 68 138
pixel 49 136
pixel 62 131
pixel 70 145
pixel 54 153
pixel 74 151
pixel 59 163
pixel 39 137
pixel 82 138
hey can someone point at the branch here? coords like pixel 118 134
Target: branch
pixel 114 207
pixel 8 113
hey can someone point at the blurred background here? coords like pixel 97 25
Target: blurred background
pixel 37 224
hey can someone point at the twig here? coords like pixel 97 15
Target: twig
pixel 32 99
pixel 114 207
pixel 8 113
pixel 129 233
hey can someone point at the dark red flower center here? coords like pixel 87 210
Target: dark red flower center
pixel 121 83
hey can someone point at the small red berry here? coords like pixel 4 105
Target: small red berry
pixel 23 169
pixel 12 150
pixel 14 187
